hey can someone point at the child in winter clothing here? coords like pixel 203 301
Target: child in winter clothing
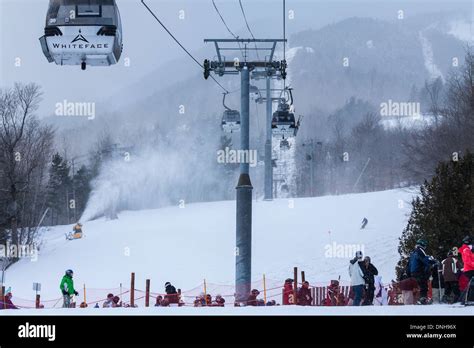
pixel 219 301
pixel 6 301
pixel 252 299
pixel 304 295
pixel 288 296
pixel 108 303
pixel 159 299
pixel 381 295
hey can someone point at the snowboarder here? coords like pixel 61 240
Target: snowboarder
pixel 171 293
pixel 450 275
pixel 357 278
pixel 288 295
pixel 419 267
pixel 304 295
pixel 370 271
pixel 67 288
pixel 364 223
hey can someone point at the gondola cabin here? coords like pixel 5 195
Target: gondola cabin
pixel 230 121
pixel 284 144
pixel 283 122
pixel 82 32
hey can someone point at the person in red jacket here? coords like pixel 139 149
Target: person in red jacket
pixel 6 302
pixel 288 295
pixel 467 256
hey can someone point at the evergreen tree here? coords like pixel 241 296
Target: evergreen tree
pixel 82 180
pixel 443 213
pixel 59 190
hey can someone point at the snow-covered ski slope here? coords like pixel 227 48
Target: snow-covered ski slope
pixel 186 245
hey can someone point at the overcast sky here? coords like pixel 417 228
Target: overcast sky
pixel 149 47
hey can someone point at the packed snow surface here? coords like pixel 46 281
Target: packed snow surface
pixel 185 245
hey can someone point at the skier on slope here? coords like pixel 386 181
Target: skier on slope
pixel 370 271
pixel 364 223
pixel 419 267
pixel 357 278
pixel 67 288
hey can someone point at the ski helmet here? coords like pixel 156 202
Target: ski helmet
pixel 359 254
pixel 167 284
pixel 467 240
pixel 421 242
pixel 69 272
pixel 367 258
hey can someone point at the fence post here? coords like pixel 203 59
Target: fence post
pixel 179 297
pixel 302 277
pixel 295 288
pixel 147 293
pixel 2 294
pixel 205 292
pixel 264 290
pixel 85 302
pixel 37 301
pixel 313 295
pixel 132 290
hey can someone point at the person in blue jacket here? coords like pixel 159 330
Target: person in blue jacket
pixel 419 267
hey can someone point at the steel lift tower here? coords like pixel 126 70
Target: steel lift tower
pixel 242 66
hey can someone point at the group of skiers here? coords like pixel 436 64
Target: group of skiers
pixel 448 273
pixel 366 285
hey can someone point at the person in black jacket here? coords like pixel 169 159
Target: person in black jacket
pixel 171 293
pixel 419 267
pixel 370 271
